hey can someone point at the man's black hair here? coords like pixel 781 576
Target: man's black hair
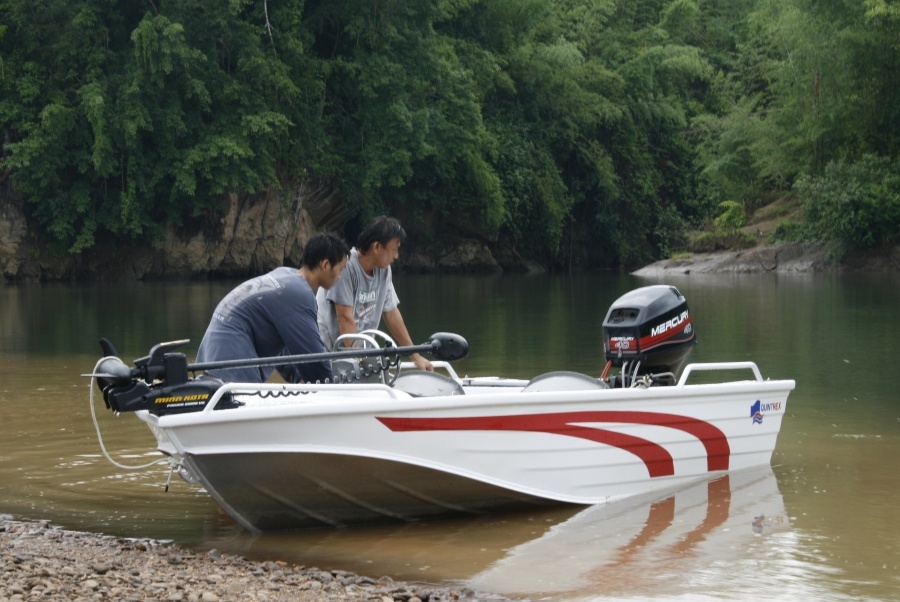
pixel 324 246
pixel 382 229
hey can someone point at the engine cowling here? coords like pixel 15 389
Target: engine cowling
pixel 649 330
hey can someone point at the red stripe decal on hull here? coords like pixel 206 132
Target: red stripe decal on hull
pixel 657 460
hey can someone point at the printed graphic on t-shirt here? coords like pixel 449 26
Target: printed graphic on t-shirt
pixel 365 309
pixel 256 286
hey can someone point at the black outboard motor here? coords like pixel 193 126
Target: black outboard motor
pixel 648 332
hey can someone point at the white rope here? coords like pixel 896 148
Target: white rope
pixel 100 436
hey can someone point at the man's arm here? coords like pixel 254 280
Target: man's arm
pixel 295 318
pixel 346 323
pixel 394 321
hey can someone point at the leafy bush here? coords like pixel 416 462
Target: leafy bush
pixel 856 204
pixel 733 216
pixel 789 231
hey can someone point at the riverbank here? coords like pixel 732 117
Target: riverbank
pixel 766 256
pixel 774 258
pixel 41 562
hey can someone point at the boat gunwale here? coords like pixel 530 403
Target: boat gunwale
pixel 503 400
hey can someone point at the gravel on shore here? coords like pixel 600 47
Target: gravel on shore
pixel 42 562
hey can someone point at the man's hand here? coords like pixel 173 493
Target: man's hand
pixel 421 362
pixel 394 321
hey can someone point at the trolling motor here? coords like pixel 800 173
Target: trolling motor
pixel 648 332
pixel 159 382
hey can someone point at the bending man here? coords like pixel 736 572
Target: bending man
pixel 366 292
pixel 275 314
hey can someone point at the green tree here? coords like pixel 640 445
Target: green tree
pixel 855 205
pixel 661 80
pixel 810 83
pixel 575 130
pixel 590 104
pixel 121 120
pixel 402 108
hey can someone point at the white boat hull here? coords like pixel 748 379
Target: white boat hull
pixel 339 455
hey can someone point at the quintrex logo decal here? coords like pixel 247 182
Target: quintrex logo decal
pixel 656 458
pixel 755 413
pixel 758 410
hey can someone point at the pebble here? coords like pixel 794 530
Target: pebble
pixel 39 561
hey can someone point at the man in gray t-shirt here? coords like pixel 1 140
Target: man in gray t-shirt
pixel 365 293
pixel 275 314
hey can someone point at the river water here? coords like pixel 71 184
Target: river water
pixel 823 523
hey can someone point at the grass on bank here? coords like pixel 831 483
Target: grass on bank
pixel 852 206
pixel 733 229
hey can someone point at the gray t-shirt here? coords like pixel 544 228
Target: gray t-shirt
pixel 267 316
pixel 369 296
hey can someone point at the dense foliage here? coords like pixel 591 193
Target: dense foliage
pixel 609 124
pixel 854 204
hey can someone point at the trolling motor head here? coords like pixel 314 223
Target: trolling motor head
pixel 448 346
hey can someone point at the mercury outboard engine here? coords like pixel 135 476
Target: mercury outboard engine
pixel 648 332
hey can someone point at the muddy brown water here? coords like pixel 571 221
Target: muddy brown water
pixel 823 523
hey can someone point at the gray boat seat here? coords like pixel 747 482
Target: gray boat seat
pixel 420 383
pixel 563 380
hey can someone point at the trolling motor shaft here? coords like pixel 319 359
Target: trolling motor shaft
pixel 159 382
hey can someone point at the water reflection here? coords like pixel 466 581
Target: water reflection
pixel 434 551
pixel 644 546
pixel 716 537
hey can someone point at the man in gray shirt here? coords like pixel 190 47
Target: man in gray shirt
pixel 366 293
pixel 275 314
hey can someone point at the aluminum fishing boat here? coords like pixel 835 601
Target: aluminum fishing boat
pixel 386 443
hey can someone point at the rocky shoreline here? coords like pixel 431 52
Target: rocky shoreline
pixel 777 258
pixel 42 562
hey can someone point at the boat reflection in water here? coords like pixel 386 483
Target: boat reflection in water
pixel 647 546
pixel 684 541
